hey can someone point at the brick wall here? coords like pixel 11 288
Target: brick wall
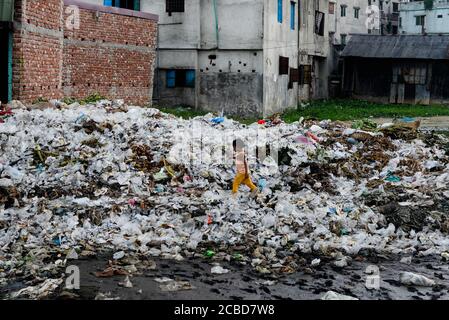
pixel 37 50
pixel 112 53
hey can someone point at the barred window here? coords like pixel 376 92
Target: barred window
pixel 175 6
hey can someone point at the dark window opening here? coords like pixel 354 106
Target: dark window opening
pixel 305 74
pixel 395 7
pixel 294 77
pixel 124 4
pixel 319 23
pixel 283 65
pixel 175 6
pixel 343 10
pixel 420 20
pixel 5 81
pixel 181 78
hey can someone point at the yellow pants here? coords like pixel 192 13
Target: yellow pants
pixel 242 178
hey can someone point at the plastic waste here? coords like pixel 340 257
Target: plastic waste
pixel 413 279
pixel 219 270
pixel 332 295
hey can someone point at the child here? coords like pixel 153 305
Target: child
pixel 243 174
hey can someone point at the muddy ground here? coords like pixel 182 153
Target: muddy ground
pixel 242 283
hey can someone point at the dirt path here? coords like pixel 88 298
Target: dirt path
pixel 243 284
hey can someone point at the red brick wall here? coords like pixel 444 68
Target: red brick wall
pixel 112 55
pixel 37 50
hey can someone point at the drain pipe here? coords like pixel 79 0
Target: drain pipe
pixel 216 23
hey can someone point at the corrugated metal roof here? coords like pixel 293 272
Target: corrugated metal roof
pixel 434 47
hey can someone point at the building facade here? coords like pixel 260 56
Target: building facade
pixel 69 48
pixel 398 69
pixel 424 17
pixel 227 55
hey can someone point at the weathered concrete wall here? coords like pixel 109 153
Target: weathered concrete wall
pixel 314 49
pixel 279 40
pixel 235 94
pixel 436 21
pixel 240 24
pixel 231 82
pixel 37 50
pixel 350 24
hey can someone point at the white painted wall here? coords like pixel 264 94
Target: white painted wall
pixel 349 24
pixel 279 40
pixel 433 23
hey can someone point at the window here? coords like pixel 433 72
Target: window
pixel 440 16
pixel 343 10
pixel 319 23
pixel 369 2
pixel 180 78
pixel 395 7
pixel 283 65
pixel 331 7
pixel 294 77
pixel 292 15
pixel 343 39
pixel 381 5
pixel 174 6
pixel 305 74
pixel 125 4
pixel 356 12
pixel 280 17
pixel 420 20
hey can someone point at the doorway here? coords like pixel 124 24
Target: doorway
pixel 5 63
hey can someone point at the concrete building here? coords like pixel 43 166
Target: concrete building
pixel 389 17
pixel 417 17
pixel 231 56
pixel 314 49
pixel 240 57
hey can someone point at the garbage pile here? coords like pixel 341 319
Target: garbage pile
pixel 108 176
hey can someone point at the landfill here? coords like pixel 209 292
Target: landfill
pixel 76 180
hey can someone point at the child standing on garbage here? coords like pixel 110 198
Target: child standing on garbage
pixel 242 174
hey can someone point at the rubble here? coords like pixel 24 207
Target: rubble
pixel 413 279
pixel 121 178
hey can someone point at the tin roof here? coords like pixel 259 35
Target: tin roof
pixel 435 47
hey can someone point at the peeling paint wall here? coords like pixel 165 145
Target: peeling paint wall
pixel 279 40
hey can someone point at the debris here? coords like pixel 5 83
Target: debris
pixel 105 175
pixel 219 270
pixel 110 272
pixel 40 291
pixel 72 255
pixel 406 260
pixel 126 283
pixel 315 262
pixel 170 285
pixel 331 295
pixel 413 279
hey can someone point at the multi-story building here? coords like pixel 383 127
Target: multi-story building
pixel 389 17
pixel 424 17
pixel 247 57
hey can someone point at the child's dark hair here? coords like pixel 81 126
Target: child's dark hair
pixel 238 143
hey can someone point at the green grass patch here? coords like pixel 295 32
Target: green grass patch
pixel 183 112
pixel 347 110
